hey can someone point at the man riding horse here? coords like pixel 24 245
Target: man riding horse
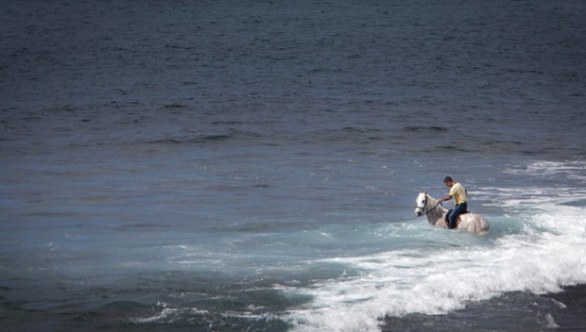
pixel 458 192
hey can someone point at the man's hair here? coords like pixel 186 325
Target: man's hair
pixel 448 178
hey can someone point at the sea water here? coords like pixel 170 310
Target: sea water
pixel 253 166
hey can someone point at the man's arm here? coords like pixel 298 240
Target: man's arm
pixel 443 199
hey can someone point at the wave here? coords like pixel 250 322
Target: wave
pixel 543 253
pixel 433 129
pixel 396 284
pixel 207 138
pixel 251 317
pixel 124 306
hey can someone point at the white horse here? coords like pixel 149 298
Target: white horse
pixel 435 213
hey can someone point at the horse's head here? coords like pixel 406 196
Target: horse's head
pixel 420 202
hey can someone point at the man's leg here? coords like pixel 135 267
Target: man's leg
pixel 458 210
pixel 452 217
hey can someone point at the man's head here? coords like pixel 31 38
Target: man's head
pixel 448 181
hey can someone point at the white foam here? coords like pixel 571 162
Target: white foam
pixel 551 324
pixel 168 314
pixel 165 313
pixel 573 169
pixel 547 253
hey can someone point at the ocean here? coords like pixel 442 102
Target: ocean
pixel 253 165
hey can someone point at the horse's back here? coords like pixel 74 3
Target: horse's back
pixel 473 223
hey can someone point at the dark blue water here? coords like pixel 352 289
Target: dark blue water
pixel 253 166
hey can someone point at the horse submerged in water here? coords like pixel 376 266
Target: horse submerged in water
pixel 436 215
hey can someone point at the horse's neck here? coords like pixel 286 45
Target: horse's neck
pixel 436 211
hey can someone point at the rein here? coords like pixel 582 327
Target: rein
pixel 433 208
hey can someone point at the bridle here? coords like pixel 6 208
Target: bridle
pixel 425 204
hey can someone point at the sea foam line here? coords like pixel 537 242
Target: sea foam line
pixel 547 254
